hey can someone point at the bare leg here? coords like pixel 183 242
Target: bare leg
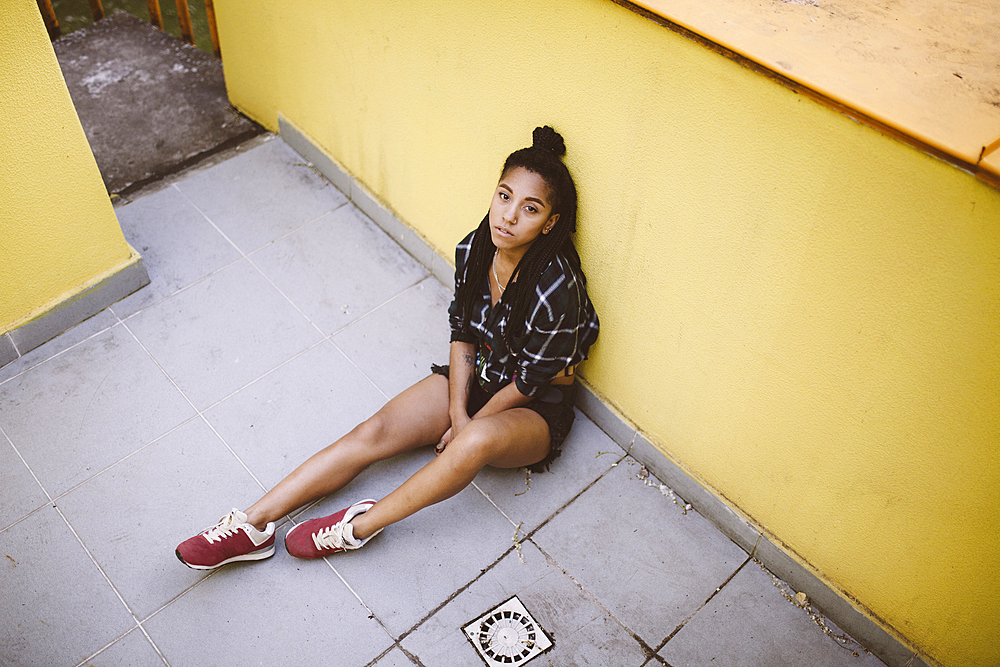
pixel 414 418
pixel 508 439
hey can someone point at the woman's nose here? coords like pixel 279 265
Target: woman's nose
pixel 510 215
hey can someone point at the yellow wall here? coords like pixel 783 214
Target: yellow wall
pixel 58 231
pixel 824 298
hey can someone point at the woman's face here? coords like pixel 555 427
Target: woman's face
pixel 521 210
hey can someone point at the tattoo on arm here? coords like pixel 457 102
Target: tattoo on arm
pixel 470 359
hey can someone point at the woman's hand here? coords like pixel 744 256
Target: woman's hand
pixel 457 424
pixel 461 376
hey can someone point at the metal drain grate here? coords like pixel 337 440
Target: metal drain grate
pixel 507 635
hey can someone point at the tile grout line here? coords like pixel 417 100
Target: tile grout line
pixel 266 277
pixel 461 589
pixel 285 297
pixel 233 452
pixel 325 337
pixel 55 506
pixel 513 548
pixel 243 253
pixel 33 475
pixel 262 376
pixel 208 574
pixel 195 407
pixel 414 660
pixel 396 643
pixel 247 255
pixel 179 290
pixel 281 237
pixel 209 220
pixel 26 516
pixel 487 496
pixel 373 615
pixel 562 508
pixel 371 612
pixel 355 594
pixel 648 650
pixel 52 502
pixel 381 305
pixel 13 343
pixel 108 580
pixel 351 361
pixel 61 352
pixel 198 413
pixel 201 414
pixel 703 604
pixel 124 458
pixel 359 319
pixel 149 638
pixel 87 661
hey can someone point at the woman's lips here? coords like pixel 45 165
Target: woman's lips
pixel 502 231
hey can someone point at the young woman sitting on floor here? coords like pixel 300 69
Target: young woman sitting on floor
pixel 521 321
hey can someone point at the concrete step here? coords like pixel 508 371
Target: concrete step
pixel 150 104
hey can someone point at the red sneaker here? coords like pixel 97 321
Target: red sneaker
pixel 229 540
pixel 328 535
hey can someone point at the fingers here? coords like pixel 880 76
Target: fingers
pixel 445 439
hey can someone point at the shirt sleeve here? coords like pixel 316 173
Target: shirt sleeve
pixel 553 336
pixel 459 321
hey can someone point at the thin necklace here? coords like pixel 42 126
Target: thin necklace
pixel 495 277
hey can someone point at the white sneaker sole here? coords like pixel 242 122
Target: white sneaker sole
pixel 253 555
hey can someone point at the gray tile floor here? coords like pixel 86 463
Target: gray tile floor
pixel 277 318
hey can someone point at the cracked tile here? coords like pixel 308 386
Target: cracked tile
pixel 634 550
pixel 749 623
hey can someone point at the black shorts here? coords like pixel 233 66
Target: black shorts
pixel 555 405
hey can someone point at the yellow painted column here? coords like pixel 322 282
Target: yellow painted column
pixel 58 231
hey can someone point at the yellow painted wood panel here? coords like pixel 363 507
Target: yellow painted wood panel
pixel 929 68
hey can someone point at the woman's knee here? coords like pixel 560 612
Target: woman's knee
pixel 380 437
pixel 475 444
pixel 367 441
pixel 371 430
pixel 506 443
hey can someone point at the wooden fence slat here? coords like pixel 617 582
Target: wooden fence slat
pixel 49 16
pixel 154 13
pixel 212 28
pixel 97 8
pixel 184 16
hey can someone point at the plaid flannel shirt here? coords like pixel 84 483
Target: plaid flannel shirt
pixel 561 327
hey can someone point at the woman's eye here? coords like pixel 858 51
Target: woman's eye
pixel 531 209
pixel 503 196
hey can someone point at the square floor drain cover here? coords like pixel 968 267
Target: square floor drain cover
pixel 507 635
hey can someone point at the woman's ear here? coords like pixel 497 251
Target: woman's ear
pixel 550 223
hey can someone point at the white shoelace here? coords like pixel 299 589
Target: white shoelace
pixel 227 526
pixel 330 538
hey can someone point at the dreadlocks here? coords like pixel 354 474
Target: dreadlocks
pixel 542 158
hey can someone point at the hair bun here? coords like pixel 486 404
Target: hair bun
pixel 549 139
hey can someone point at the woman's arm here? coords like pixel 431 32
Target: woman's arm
pixel 507 398
pixel 461 375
